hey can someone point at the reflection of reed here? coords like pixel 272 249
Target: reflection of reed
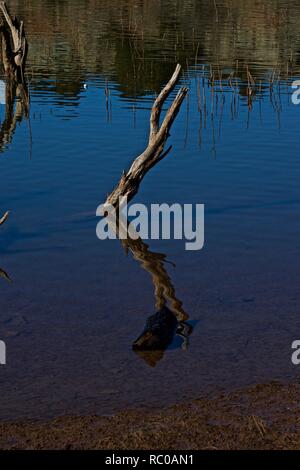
pixel 215 88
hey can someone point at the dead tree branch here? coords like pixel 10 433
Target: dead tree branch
pixel 14 45
pixel 130 181
pixel 162 326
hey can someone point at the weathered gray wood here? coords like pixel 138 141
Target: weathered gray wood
pixel 130 181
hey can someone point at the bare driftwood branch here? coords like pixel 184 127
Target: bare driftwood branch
pixel 14 45
pixel 4 218
pixel 130 181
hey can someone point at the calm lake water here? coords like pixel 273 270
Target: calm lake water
pixel 76 304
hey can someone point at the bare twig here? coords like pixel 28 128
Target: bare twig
pixel 260 426
pixel 130 181
pixel 4 218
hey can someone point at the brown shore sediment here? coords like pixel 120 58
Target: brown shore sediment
pixel 261 417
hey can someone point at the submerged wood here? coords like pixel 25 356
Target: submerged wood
pixel 130 181
pixel 14 45
pixel 159 331
pixel 158 334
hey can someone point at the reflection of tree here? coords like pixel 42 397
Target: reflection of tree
pixel 154 264
pixel 16 107
pixel 170 318
pixel 136 42
pixel 14 53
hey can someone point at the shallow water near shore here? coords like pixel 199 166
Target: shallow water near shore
pixel 76 304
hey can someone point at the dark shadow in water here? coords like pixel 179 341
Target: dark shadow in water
pixel 170 320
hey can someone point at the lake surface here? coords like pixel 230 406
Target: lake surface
pixel 76 304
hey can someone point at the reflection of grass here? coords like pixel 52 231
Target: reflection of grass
pixel 2 272
pixel 137 43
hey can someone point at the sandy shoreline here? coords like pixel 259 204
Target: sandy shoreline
pixel 261 417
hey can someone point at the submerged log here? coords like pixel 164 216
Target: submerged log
pixel 157 336
pixel 159 331
pixel 14 45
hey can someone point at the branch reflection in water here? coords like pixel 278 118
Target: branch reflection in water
pixel 16 108
pixel 14 48
pixel 170 320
